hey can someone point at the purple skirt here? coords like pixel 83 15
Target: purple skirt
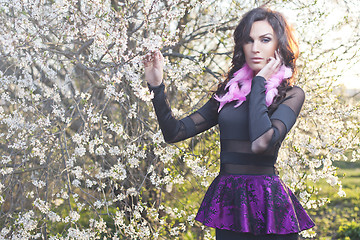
pixel 258 204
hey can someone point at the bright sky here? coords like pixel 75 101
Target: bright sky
pixel 336 12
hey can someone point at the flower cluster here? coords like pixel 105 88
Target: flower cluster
pixel 81 153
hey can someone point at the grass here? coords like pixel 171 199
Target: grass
pixel 342 213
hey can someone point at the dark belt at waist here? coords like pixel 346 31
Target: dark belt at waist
pixel 246 169
pixel 247 159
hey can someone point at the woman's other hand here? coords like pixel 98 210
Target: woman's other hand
pixel 271 67
pixel 154 65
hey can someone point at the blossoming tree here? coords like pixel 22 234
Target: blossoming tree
pixel 81 153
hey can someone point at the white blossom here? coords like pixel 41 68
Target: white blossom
pixel 78 127
pixel 74 216
pixel 80 151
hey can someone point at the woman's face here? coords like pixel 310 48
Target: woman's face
pixel 260 46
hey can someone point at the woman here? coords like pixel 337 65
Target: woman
pixel 255 108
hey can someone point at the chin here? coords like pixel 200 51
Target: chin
pixel 255 69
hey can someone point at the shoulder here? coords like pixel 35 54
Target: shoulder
pixel 295 92
pixel 211 106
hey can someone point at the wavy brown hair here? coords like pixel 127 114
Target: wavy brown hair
pixel 287 45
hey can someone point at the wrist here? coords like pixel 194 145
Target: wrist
pixel 154 82
pixel 155 86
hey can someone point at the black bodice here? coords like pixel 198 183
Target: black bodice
pixel 248 134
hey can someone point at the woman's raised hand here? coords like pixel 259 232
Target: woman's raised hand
pixel 154 65
pixel 271 67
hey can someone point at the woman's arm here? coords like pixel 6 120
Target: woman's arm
pixel 176 130
pixel 265 131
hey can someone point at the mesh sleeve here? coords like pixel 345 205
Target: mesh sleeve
pixel 265 131
pixel 175 130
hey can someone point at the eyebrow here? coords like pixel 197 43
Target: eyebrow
pixel 264 35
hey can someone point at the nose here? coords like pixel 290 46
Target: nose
pixel 255 46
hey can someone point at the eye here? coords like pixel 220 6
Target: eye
pixel 266 40
pixel 248 40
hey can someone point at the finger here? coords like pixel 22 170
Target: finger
pixel 145 60
pixel 277 67
pixel 273 66
pixel 161 57
pixel 148 60
pixel 271 63
pixel 272 59
pixel 278 56
pixel 151 55
pixel 156 57
pixel 276 59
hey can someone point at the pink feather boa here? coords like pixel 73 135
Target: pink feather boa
pixel 243 77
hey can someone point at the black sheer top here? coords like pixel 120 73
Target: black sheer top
pixel 248 135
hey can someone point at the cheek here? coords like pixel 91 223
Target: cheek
pixel 246 51
pixel 271 50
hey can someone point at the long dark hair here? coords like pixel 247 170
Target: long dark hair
pixel 287 45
